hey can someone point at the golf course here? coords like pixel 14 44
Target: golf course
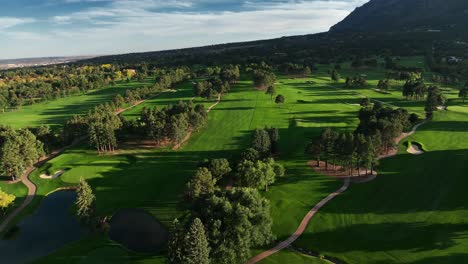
pixel 408 214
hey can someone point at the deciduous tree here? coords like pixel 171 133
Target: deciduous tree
pixel 6 200
pixel 279 100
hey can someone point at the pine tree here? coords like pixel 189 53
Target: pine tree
pixel 261 141
pixel 85 201
pixel 196 248
pixel 335 76
pixel 202 183
pixel 463 93
pixel 175 254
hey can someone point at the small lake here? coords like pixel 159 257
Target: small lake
pixel 137 230
pixel 49 228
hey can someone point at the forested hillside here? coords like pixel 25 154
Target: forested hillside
pixel 400 15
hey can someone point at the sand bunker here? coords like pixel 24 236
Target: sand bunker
pixel 442 108
pixel 56 175
pixel 415 149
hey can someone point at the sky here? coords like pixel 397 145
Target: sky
pixel 41 28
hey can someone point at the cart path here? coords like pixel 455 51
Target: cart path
pixel 301 227
pixel 305 221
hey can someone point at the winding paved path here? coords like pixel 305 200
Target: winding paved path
pixel 301 227
pixel 32 188
pixel 305 221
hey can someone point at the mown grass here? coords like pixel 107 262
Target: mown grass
pixel 155 179
pixel 414 212
pixel 56 112
pixel 288 256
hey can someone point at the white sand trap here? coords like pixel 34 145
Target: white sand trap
pixel 415 149
pixel 442 108
pixel 56 175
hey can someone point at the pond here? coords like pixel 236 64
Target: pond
pixel 50 227
pixel 137 230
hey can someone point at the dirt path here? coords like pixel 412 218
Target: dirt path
pixel 32 188
pixel 189 134
pixel 311 213
pixel 301 227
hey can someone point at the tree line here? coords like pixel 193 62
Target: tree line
pixel 26 87
pixel 33 85
pixel 295 69
pixel 375 135
pixel 356 81
pixel 219 82
pixel 414 89
pixel 19 150
pixel 173 122
pixel 163 82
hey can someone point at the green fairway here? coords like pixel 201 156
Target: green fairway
pixel 412 213
pixel 154 179
pixel 182 92
pixel 287 256
pixel 56 112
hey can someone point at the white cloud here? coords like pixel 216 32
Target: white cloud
pixel 8 22
pixel 129 26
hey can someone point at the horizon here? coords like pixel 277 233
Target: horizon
pixel 69 28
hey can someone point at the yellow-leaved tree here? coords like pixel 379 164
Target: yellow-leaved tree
pixel 6 200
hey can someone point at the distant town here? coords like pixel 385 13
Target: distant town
pixel 32 62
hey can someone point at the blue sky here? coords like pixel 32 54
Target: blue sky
pixel 37 28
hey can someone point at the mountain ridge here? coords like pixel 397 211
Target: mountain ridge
pixel 406 15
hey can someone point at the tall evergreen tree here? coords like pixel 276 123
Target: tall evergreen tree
pixel 175 245
pixel 196 249
pixel 85 201
pixel 261 141
pixel 202 183
pixel 463 93
pixel 335 75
